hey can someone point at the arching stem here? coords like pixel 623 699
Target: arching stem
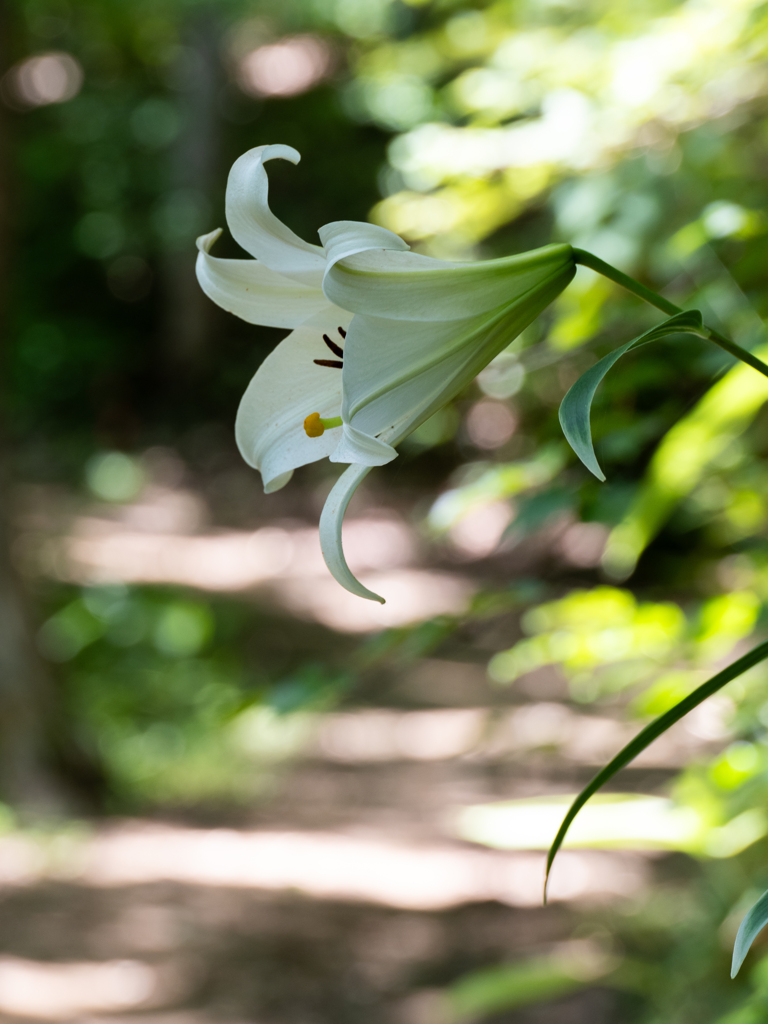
pixel 587 259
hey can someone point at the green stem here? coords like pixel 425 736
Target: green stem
pixel 586 259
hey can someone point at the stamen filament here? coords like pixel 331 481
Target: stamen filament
pixel 316 427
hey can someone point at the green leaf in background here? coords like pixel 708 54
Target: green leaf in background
pixel 575 407
pixel 574 966
pixel 651 732
pixel 754 921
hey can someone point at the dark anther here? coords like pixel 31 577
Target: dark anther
pixel 337 363
pixel 342 332
pixel 336 349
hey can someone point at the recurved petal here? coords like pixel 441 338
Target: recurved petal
pixel 344 238
pixel 253 292
pixel 407 286
pixel 330 531
pixel 255 227
pixel 287 387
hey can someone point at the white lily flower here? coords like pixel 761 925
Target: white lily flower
pixel 407 332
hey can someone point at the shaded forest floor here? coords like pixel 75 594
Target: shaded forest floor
pixel 345 896
pixel 345 893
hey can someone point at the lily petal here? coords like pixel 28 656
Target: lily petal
pixel 330 531
pixel 344 238
pixel 397 373
pixel 287 387
pixel 253 292
pixel 257 229
pixel 355 446
pixel 407 286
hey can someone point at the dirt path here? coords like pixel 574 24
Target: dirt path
pixel 345 897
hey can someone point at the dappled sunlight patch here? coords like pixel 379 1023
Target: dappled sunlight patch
pixel 268 736
pixel 337 866
pixel 490 424
pixel 589 629
pixel 483 484
pixel 283 560
pixel 618 820
pixel 478 533
pixel 376 735
pixel 604 640
pixel 412 595
pixel 100 552
pixel 57 991
pixel 582 544
pixel 287 67
pixel 382 735
pixel 43 79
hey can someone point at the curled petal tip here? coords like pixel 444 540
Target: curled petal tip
pixel 280 151
pixel 205 242
pixel 330 531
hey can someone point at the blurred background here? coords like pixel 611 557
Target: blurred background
pixel 232 791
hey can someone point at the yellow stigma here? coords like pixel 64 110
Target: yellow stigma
pixel 315 427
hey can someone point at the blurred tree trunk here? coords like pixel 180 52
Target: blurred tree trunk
pixel 28 720
pixel 27 779
pixel 194 158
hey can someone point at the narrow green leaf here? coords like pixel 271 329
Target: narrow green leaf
pixel 576 406
pixel 646 736
pixel 754 921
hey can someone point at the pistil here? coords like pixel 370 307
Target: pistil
pixel 314 426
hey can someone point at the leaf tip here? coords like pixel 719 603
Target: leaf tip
pixel 737 960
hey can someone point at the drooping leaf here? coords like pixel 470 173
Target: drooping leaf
pixel 647 735
pixel 754 921
pixel 576 406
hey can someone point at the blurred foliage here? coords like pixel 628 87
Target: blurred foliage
pixel 165 685
pixel 634 134
pixel 473 129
